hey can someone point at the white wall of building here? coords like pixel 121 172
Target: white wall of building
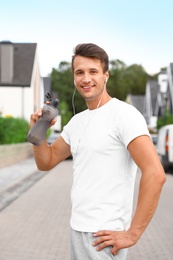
pixel 163 82
pixel 16 102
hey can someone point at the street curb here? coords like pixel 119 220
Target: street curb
pixel 13 191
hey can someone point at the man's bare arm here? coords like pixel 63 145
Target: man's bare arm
pixel 153 177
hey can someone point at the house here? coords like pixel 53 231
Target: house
pixel 170 88
pixel 162 95
pixel 158 97
pixel 151 92
pixel 21 86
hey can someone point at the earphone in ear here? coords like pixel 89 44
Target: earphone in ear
pixel 74 83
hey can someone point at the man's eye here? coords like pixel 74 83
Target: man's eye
pixel 78 72
pixel 93 71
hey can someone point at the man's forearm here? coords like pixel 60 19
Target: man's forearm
pixel 148 197
pixel 42 155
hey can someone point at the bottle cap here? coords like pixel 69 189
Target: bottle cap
pixel 55 103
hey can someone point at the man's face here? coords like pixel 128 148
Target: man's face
pixel 89 77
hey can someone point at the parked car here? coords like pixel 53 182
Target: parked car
pixel 154 138
pixel 165 146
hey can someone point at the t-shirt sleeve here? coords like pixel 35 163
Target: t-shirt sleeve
pixel 65 134
pixel 132 125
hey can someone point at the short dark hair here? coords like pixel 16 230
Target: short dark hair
pixel 92 51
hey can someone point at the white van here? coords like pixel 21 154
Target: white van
pixel 165 146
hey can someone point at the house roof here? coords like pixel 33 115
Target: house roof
pixel 23 61
pixel 137 101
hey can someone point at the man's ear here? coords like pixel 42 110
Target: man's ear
pixel 107 76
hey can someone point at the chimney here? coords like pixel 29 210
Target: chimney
pixel 6 62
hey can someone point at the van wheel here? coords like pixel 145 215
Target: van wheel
pixel 165 163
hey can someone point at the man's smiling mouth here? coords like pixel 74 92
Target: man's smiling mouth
pixel 87 87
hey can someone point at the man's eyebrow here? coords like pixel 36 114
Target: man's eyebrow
pixel 93 69
pixel 78 70
pixel 88 69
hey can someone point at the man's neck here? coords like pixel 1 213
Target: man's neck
pixel 94 104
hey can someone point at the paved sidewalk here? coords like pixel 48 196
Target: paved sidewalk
pixel 36 225
pixel 157 240
pixel 10 175
pixel 17 178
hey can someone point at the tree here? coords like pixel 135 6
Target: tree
pixel 65 113
pixel 115 89
pixel 126 79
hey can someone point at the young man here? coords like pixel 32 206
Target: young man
pixel 108 141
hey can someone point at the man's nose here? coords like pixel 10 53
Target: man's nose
pixel 86 78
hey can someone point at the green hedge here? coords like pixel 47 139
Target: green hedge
pixel 166 119
pixel 13 130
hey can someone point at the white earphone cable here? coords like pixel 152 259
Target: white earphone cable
pixel 73 104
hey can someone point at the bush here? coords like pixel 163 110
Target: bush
pixel 165 120
pixel 13 130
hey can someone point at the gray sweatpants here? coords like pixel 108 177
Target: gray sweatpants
pixel 82 249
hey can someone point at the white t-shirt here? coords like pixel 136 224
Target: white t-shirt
pixel 103 170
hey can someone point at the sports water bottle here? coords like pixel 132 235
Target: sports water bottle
pixel 37 133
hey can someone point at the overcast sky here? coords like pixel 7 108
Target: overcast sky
pixel 134 31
